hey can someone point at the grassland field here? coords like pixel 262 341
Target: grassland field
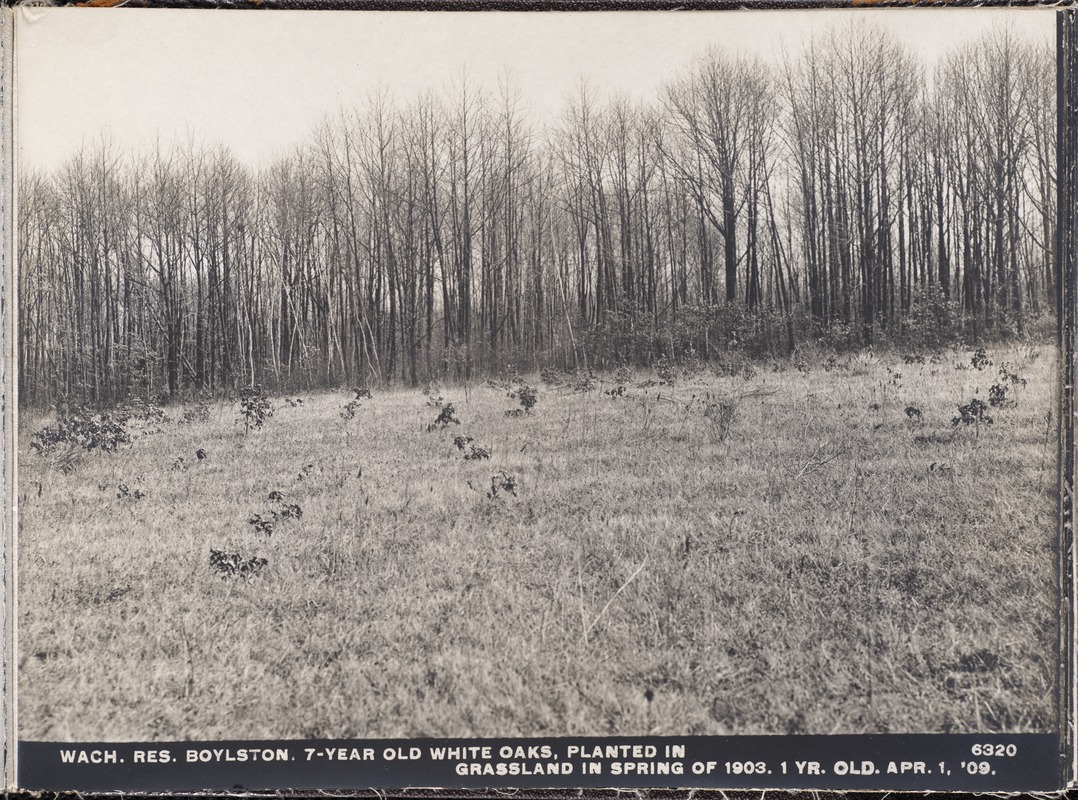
pixel 789 549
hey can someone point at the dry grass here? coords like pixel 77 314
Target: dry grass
pixel 790 552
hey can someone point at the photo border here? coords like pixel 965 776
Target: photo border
pixel 1067 251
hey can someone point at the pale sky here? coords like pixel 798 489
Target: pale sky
pixel 258 81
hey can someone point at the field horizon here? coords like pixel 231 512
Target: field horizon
pixel 861 544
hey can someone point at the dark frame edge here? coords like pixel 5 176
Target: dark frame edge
pixel 8 748
pixel 1067 264
pixel 1067 278
pixel 7 463
pixel 551 5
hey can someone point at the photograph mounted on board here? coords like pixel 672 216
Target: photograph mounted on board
pixel 393 374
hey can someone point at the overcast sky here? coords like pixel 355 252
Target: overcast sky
pixel 258 81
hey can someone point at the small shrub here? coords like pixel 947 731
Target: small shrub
pixel 506 378
pixel 233 565
pixel 473 453
pixel 528 397
pixel 975 412
pixel 349 411
pixel 255 407
pixel 979 360
pixel 261 524
pixel 200 454
pixel 289 511
pixel 123 492
pixel 1006 376
pixel 200 413
pixel 913 358
pixel 617 391
pixel 997 395
pixel 913 412
pixel 510 375
pixel 665 372
pixel 143 411
pixel 477 454
pixel 586 383
pixel 691 364
pixel 502 481
pixel 623 375
pixel 266 524
pixel 550 376
pixel 446 417
pixel 82 429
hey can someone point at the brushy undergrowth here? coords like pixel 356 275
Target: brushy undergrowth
pixel 812 547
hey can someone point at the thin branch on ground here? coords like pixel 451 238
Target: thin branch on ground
pixel 817 461
pixel 610 602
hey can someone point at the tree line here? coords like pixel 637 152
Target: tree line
pixel 847 193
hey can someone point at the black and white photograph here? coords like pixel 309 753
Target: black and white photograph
pixel 399 375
